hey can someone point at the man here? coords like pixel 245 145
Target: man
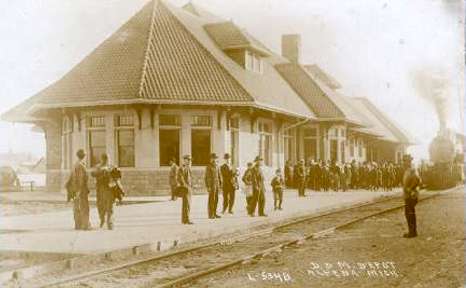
pixel 258 188
pixel 227 185
pixel 248 181
pixel 277 188
pixel 78 182
pixel 411 182
pixel 301 178
pixel 288 174
pixel 213 182
pixel 172 178
pixel 184 180
pixel 104 195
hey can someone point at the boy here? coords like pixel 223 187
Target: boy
pixel 277 188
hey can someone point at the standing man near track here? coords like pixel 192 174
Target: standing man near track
pixel 213 182
pixel 411 183
pixel 228 185
pixel 258 184
pixel 185 181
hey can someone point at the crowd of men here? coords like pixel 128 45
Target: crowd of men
pixel 332 175
pixel 225 179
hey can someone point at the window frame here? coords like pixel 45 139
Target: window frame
pixel 177 127
pixel 195 127
pixel 118 127
pixel 289 144
pixel 265 135
pixel 90 129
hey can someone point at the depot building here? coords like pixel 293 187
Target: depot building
pixel 179 80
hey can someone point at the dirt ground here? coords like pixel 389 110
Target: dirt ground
pixel 368 254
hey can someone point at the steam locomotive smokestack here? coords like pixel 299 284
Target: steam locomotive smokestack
pixel 433 86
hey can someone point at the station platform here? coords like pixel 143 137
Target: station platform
pixel 158 221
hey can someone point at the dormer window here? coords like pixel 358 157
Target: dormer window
pixel 253 62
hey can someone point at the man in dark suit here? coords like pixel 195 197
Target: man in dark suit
pixel 227 185
pixel 411 183
pixel 258 185
pixel 301 178
pixel 213 182
pixel 104 194
pixel 184 178
pixel 78 180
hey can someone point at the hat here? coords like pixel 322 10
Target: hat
pixel 301 161
pixel 213 156
pixel 226 156
pixel 187 157
pixel 80 153
pixel 258 158
pixel 278 171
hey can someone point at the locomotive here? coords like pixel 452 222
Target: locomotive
pixel 446 167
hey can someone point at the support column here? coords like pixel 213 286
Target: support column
pixel 53 142
pixel 220 137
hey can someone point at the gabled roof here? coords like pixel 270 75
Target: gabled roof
pixel 320 74
pixel 229 37
pixel 164 55
pixel 178 67
pixel 201 12
pixel 268 89
pixel 312 94
pixel 171 55
pixel 381 123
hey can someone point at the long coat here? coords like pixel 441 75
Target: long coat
pixel 213 177
pixel 227 177
pixel 79 179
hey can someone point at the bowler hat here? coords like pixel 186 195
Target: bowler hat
pixel 213 156
pixel 187 157
pixel 258 158
pixel 80 153
pixel 226 156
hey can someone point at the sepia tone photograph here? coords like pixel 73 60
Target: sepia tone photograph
pixel 247 143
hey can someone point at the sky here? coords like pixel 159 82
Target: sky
pixel 372 47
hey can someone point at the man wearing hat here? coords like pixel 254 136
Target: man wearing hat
pixel 78 185
pixel 301 178
pixel 184 178
pixel 227 185
pixel 213 182
pixel 411 183
pixel 258 188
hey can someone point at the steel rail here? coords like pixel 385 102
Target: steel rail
pixel 300 219
pixel 191 277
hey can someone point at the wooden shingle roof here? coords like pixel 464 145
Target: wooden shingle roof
pixel 171 55
pixel 312 94
pixel 178 67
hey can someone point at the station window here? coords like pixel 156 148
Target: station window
pixel 96 138
pixel 253 62
pixel 124 125
pixel 201 140
pixel 265 142
pixel 288 141
pixel 169 139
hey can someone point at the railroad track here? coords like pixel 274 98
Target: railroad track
pixel 186 265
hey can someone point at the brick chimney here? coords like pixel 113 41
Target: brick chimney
pixel 291 47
